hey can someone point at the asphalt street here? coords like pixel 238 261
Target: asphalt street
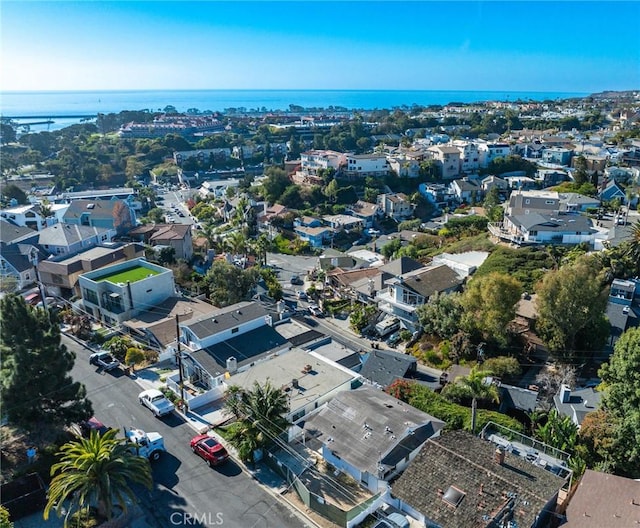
pixel 186 491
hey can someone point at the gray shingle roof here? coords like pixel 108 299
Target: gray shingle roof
pixel 581 402
pixel 517 398
pixel 385 366
pixel 98 209
pixel 246 348
pixel 557 222
pixel 225 318
pixel 10 232
pixel 366 427
pixel 400 266
pixel 67 234
pixel 466 462
pixel 432 280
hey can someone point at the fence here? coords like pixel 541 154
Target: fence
pixel 317 503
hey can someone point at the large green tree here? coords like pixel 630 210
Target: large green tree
pixel 97 471
pixel 571 303
pixel 35 384
pixel 228 284
pixel 441 315
pixel 621 377
pixel 489 305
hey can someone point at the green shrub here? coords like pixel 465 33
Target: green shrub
pixel 454 415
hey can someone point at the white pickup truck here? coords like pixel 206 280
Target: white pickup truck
pixel 148 445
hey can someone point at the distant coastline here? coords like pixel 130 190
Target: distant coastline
pixel 62 103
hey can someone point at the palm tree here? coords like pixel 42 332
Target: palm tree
pixel 634 243
pixel 261 246
pixel 96 471
pixel 260 413
pixel 476 388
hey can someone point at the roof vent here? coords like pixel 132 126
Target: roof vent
pixel 91 206
pixel 238 312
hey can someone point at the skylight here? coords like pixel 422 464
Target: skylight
pixel 453 496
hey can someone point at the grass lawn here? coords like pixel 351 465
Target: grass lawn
pixel 131 275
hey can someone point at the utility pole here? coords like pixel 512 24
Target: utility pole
pixel 33 254
pixel 179 356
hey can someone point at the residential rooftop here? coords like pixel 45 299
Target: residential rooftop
pixel 133 274
pixel 456 482
pixel 304 376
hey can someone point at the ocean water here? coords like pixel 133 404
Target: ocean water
pixel 64 106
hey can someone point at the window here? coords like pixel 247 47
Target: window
pixel 235 330
pixel 549 202
pixel 90 295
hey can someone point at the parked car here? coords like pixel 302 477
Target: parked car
pixel 315 310
pixel 209 449
pixel 156 401
pixel 84 428
pixel 394 339
pixel 92 424
pixel 295 279
pixel 104 360
pixel 301 295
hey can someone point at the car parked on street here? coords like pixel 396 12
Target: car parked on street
pixel 209 449
pixel 301 295
pixel 104 360
pixel 156 402
pixel 315 310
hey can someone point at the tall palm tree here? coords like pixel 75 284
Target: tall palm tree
pixel 634 243
pixel 96 471
pixel 261 414
pixel 476 388
pixel 261 246
pixel 237 243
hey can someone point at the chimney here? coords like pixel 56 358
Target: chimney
pixel 565 394
pixel 498 456
pixel 232 365
pixel 294 383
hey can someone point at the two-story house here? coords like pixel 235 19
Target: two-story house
pixel 30 216
pixel 542 217
pixel 557 155
pixel 108 214
pixel 466 190
pixel 469 156
pixel 365 211
pixel 343 221
pixel 395 205
pixel 406 292
pixel 59 274
pixel 66 239
pixel 488 152
pixel 177 236
pixel 448 159
pixel 363 165
pixel 116 293
pixel 370 435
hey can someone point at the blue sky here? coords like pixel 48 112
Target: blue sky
pixel 573 46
